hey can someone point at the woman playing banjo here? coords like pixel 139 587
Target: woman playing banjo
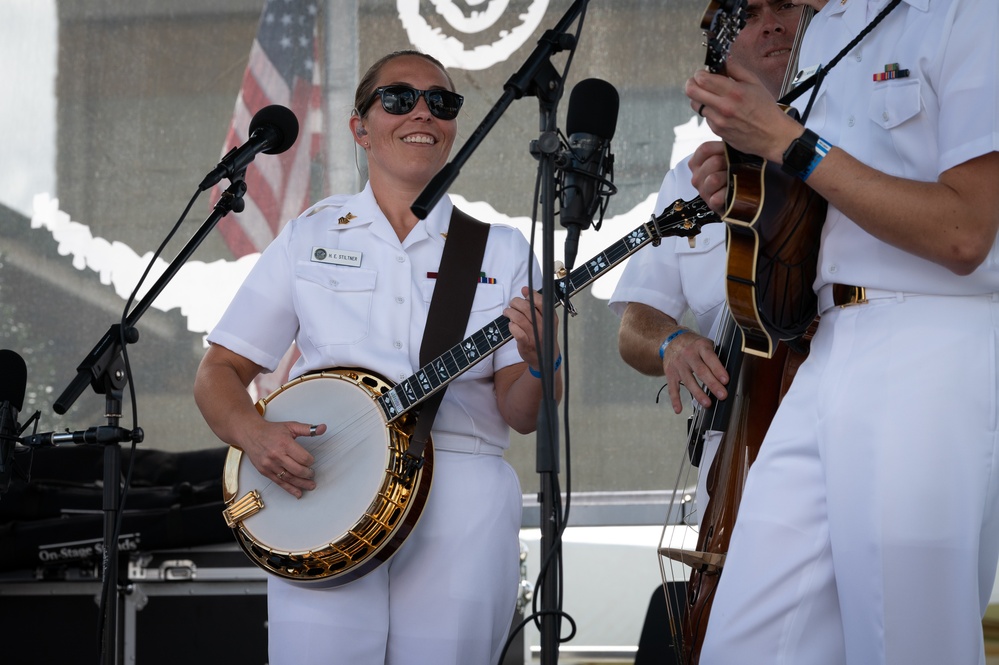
pixel 448 593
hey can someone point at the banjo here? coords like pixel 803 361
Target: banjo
pixel 369 496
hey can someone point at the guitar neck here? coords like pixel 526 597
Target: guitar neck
pixel 679 219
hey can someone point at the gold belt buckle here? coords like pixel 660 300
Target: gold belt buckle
pixel 845 295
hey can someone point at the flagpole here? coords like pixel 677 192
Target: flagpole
pixel 341 47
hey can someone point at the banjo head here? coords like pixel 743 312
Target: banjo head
pixel 363 507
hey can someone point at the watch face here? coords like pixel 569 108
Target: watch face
pixel 799 154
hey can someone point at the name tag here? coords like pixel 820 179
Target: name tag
pixel 339 257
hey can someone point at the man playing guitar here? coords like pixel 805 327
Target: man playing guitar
pixel 868 531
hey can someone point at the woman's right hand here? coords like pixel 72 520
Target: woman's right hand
pixel 275 454
pixel 220 392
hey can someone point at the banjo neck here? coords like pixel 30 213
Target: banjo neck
pixel 682 218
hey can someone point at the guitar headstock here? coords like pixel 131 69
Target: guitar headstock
pixel 721 23
pixel 684 218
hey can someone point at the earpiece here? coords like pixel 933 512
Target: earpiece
pixel 361 131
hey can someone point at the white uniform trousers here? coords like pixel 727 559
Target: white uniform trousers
pixel 867 533
pixel 446 597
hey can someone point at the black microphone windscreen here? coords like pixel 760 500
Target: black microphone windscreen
pixel 13 378
pixel 593 107
pixel 282 120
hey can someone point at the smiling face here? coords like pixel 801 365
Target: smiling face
pixel 764 45
pixel 405 150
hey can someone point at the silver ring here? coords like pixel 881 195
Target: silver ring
pixel 700 111
pixel 281 475
pixel 312 429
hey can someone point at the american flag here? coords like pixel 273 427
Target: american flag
pixel 283 69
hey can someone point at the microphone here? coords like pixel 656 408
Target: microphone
pixel 104 434
pixel 273 130
pixel 590 123
pixel 13 381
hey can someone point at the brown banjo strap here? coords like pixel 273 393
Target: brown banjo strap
pixel 447 318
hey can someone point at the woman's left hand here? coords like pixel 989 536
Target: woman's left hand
pixel 522 326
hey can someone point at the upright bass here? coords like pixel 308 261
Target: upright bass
pixel 773 225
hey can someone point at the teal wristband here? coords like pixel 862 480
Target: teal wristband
pixel 537 375
pixel 662 347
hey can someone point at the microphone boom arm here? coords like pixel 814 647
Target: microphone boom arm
pixel 537 76
pixel 101 356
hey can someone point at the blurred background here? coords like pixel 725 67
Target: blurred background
pixel 113 111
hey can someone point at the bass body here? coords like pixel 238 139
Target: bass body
pixel 773 223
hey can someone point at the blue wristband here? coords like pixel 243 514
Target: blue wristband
pixel 822 148
pixel 537 375
pixel 662 347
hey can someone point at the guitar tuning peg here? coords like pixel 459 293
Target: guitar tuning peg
pixel 560 270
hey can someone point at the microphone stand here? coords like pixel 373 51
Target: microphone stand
pixel 104 370
pixel 536 77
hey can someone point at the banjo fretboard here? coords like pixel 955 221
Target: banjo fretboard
pixel 682 218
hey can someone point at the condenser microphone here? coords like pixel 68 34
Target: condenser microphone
pixel 13 380
pixel 273 130
pixel 587 177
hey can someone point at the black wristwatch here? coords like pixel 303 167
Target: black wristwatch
pixel 804 154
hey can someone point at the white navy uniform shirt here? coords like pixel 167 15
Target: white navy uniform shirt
pixel 674 276
pixel 940 114
pixel 365 303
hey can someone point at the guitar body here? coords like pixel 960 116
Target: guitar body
pixel 774 224
pixel 363 507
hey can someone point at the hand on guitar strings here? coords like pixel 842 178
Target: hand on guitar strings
pixel 740 110
pixel 690 360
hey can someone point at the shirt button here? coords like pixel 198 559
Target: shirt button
pixel 884 116
pixel 400 259
pixel 859 57
pixel 833 269
pixel 333 282
pixel 400 300
pixel 403 376
pixel 851 121
pixel 397 344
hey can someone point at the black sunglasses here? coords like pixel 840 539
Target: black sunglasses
pixel 401 99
